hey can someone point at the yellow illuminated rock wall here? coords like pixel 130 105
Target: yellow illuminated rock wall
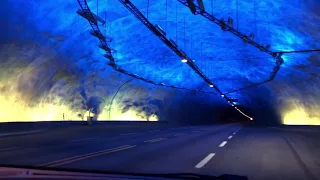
pixel 298 103
pixel 37 89
pixel 297 113
pixel 15 107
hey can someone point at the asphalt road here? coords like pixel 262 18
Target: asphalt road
pixel 236 149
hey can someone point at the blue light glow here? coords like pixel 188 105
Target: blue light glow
pixel 225 59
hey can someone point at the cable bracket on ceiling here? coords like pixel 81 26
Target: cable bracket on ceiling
pixel 94 21
pixel 228 26
pixel 161 34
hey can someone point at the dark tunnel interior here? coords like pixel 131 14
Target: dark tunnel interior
pixel 160 89
pixel 50 63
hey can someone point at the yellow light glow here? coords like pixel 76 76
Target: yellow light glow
pixel 16 106
pixel 153 117
pixel 131 115
pixel 13 110
pixel 299 117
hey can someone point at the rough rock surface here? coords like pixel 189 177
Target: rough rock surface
pixel 52 69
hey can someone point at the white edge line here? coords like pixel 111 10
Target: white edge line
pixel 105 151
pixel 7 149
pixel 155 140
pixel 223 143
pixel 159 140
pixel 20 133
pixel 86 156
pixel 75 140
pixel 152 140
pixel 204 161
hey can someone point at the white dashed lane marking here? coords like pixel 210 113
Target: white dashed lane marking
pixel 155 140
pixel 223 143
pixel 236 131
pixel 205 161
pixel 179 134
pixel 210 156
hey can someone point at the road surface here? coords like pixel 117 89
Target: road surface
pixel 236 149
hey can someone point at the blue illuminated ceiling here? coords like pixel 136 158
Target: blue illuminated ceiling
pixel 225 59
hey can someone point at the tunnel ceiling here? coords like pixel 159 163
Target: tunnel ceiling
pixel 53 29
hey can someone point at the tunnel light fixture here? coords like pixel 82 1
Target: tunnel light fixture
pixel 252 36
pixel 280 54
pixel 251 119
pixel 267 47
pixel 232 105
pixel 159 28
pixel 184 60
pixel 226 26
pixel 222 95
pixel 230 21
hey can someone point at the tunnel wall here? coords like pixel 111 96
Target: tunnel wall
pixel 44 77
pixel 51 68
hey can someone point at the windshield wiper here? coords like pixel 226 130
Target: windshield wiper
pixel 200 176
pixel 188 176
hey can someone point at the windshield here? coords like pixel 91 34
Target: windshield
pixel 206 87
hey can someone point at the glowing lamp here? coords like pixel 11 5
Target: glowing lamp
pixel 251 119
pixel 211 85
pixel 184 60
pixel 222 95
